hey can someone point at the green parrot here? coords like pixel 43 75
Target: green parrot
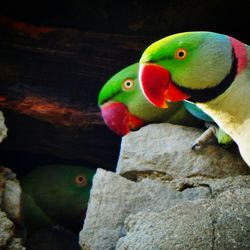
pixel 124 108
pixel 55 195
pixel 208 68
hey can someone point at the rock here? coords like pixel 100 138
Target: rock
pixel 113 198
pixel 221 223
pixel 165 196
pixel 6 225
pixel 12 199
pixel 3 128
pixel 6 229
pixel 166 148
pixel 15 244
pixel 10 193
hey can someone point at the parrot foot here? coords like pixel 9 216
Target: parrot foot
pixel 205 137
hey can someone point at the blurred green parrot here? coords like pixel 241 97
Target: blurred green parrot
pixel 55 195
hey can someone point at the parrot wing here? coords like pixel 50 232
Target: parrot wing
pixel 32 214
pixel 197 112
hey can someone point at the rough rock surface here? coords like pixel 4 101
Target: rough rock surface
pixel 113 198
pixel 166 148
pixel 15 244
pixel 220 223
pixel 165 196
pixel 9 209
pixel 6 229
pixel 3 128
pixel 10 193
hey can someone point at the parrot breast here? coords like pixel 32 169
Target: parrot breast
pixel 118 118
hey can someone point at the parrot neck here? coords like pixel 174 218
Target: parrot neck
pixel 240 60
pixel 210 93
pixel 231 110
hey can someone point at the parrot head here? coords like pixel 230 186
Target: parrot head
pixel 123 106
pixel 114 99
pixel 192 65
pixel 56 195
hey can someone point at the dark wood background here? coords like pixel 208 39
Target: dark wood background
pixel 56 55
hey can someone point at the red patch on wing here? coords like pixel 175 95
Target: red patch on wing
pixel 157 86
pixel 118 118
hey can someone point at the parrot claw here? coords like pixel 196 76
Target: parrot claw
pixel 195 146
pixel 205 137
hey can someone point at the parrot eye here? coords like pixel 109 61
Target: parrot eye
pixel 181 53
pixel 81 180
pixel 128 84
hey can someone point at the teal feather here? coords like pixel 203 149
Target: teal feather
pixel 197 112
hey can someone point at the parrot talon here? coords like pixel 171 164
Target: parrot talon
pixel 195 146
pixel 205 137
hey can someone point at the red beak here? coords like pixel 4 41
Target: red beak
pixel 118 118
pixel 157 85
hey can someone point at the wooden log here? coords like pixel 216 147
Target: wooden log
pixel 49 83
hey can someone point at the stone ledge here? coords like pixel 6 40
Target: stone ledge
pixel 166 148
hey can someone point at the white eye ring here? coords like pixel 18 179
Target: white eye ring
pixel 128 84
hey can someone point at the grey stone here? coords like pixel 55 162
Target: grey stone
pixel 166 148
pixel 232 221
pixel 220 223
pixel 166 196
pixel 15 244
pixel 113 198
pixel 6 229
pixel 10 193
pixel 12 200
pixel 3 128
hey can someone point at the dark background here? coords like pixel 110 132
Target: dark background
pixel 88 42
pixel 147 18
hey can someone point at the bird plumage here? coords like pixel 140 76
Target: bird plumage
pixel 214 72
pixel 55 195
pixel 119 103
